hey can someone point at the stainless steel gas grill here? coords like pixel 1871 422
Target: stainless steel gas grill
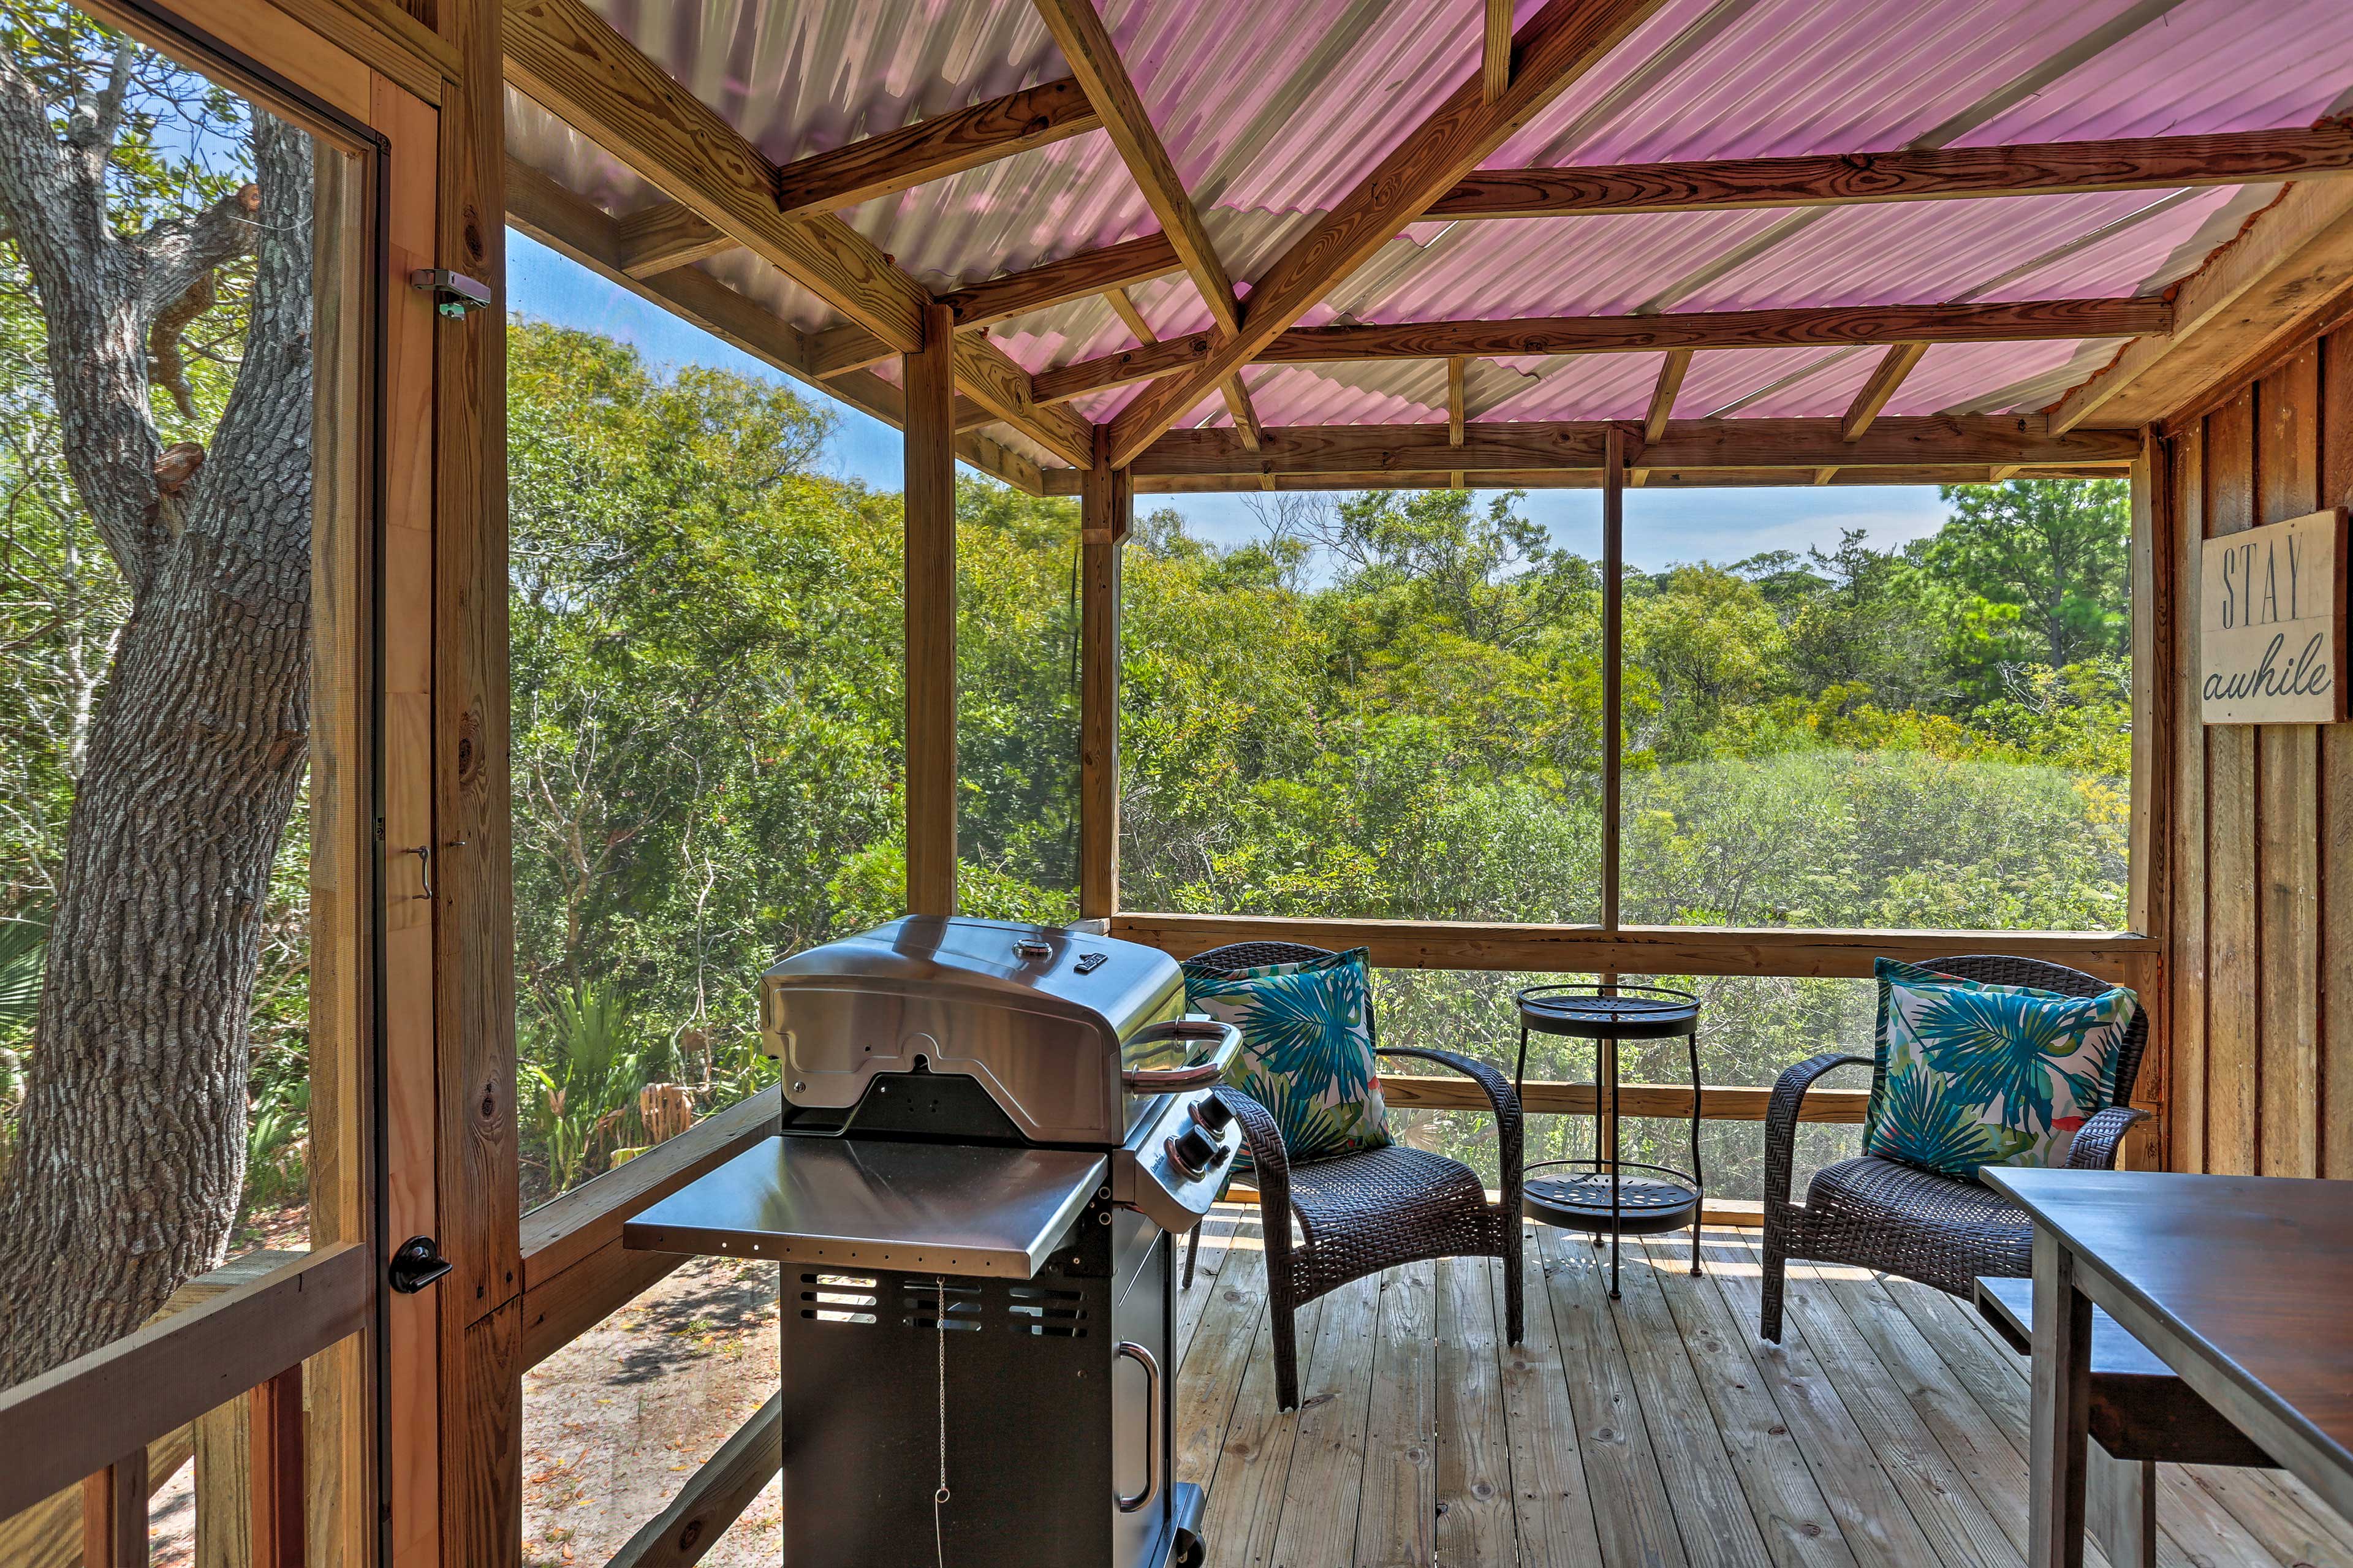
pixel 990 1132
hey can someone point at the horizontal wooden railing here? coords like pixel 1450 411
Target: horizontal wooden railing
pixel 1766 951
pixel 1718 1102
pixel 575 1270
pixel 96 1415
pixel 713 1497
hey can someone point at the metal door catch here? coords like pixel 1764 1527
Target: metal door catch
pixel 453 293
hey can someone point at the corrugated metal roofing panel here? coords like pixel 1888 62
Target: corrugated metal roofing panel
pixel 1273 114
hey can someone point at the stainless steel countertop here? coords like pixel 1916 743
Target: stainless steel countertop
pixel 915 1207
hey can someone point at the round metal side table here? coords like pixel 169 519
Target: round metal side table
pixel 1596 1195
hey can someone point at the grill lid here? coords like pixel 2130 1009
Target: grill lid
pixel 1045 1018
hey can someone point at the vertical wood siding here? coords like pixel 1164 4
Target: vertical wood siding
pixel 2260 946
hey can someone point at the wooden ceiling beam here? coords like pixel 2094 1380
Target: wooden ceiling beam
pixel 1086 45
pixel 2250 298
pixel 1065 481
pixel 843 347
pixel 564 57
pixel 1146 360
pixel 1893 366
pixel 575 227
pixel 1838 326
pixel 1927 173
pixel 1495 52
pixel 1558 44
pixel 667 235
pixel 1979 442
pixel 932 149
pixel 1089 272
pixel 1673 368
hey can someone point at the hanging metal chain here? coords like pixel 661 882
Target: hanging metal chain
pixel 940 1497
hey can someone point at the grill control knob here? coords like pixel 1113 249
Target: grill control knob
pixel 1194 1152
pixel 1213 1115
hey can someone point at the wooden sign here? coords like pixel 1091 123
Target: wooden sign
pixel 2271 645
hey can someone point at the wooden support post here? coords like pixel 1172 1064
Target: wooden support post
pixel 1613 644
pixel 1107 508
pixel 114 1514
pixel 930 380
pixel 276 1414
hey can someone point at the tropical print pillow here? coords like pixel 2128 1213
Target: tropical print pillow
pixel 1969 1075
pixel 1308 1049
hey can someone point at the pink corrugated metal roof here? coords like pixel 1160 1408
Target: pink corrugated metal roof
pixel 1272 123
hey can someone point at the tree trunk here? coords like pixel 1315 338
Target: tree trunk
pixel 132 1156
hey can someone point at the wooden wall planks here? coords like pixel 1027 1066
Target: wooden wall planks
pixel 2261 958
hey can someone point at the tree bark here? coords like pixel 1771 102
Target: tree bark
pixel 130 1158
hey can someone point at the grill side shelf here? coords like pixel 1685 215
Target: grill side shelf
pixel 956 1209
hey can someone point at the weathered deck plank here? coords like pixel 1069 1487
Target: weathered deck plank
pixel 1653 1432
pixel 1800 1529
pixel 1475 1519
pixel 1633 1515
pixel 1400 1500
pixel 1550 1494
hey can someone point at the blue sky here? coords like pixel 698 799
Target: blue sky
pixel 1662 527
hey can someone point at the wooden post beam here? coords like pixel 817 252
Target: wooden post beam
pixel 1149 358
pixel 663 236
pixel 1107 508
pixel 933 148
pixel 1893 368
pixel 2250 298
pixel 1558 44
pixel 1495 52
pixel 1911 175
pixel 1131 261
pixel 1671 370
pixel 1498 447
pixel 1086 45
pixel 1834 326
pixel 930 499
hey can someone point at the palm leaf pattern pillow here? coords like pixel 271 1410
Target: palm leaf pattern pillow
pixel 1968 1075
pixel 1308 1049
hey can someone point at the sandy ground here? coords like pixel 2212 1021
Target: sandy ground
pixel 615 1421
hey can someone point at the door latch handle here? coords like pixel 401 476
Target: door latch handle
pixel 417 1263
pixel 423 853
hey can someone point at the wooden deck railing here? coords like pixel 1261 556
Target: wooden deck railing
pixel 111 1420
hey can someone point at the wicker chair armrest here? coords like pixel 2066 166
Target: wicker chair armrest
pixel 2098 1139
pixel 1506 1103
pixel 1781 1119
pixel 1271 1173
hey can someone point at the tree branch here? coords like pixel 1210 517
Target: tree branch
pixel 178 252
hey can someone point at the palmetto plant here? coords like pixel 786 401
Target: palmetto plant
pixel 580 1082
pixel 24 945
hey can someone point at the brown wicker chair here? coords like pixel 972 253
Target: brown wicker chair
pixel 1883 1215
pixel 1360 1213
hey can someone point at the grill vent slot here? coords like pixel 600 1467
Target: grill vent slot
pixel 970 1308
pixel 838 1297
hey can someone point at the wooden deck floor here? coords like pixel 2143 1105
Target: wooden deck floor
pixel 1887 1431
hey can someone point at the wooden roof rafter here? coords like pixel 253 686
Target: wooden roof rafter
pixel 1558 44
pixel 1907 174
pixel 569 61
pixel 2023 320
pixel 1087 45
pixel 577 228
pixel 1971 442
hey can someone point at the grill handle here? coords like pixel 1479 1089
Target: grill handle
pixel 1195 1075
pixel 1144 1358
